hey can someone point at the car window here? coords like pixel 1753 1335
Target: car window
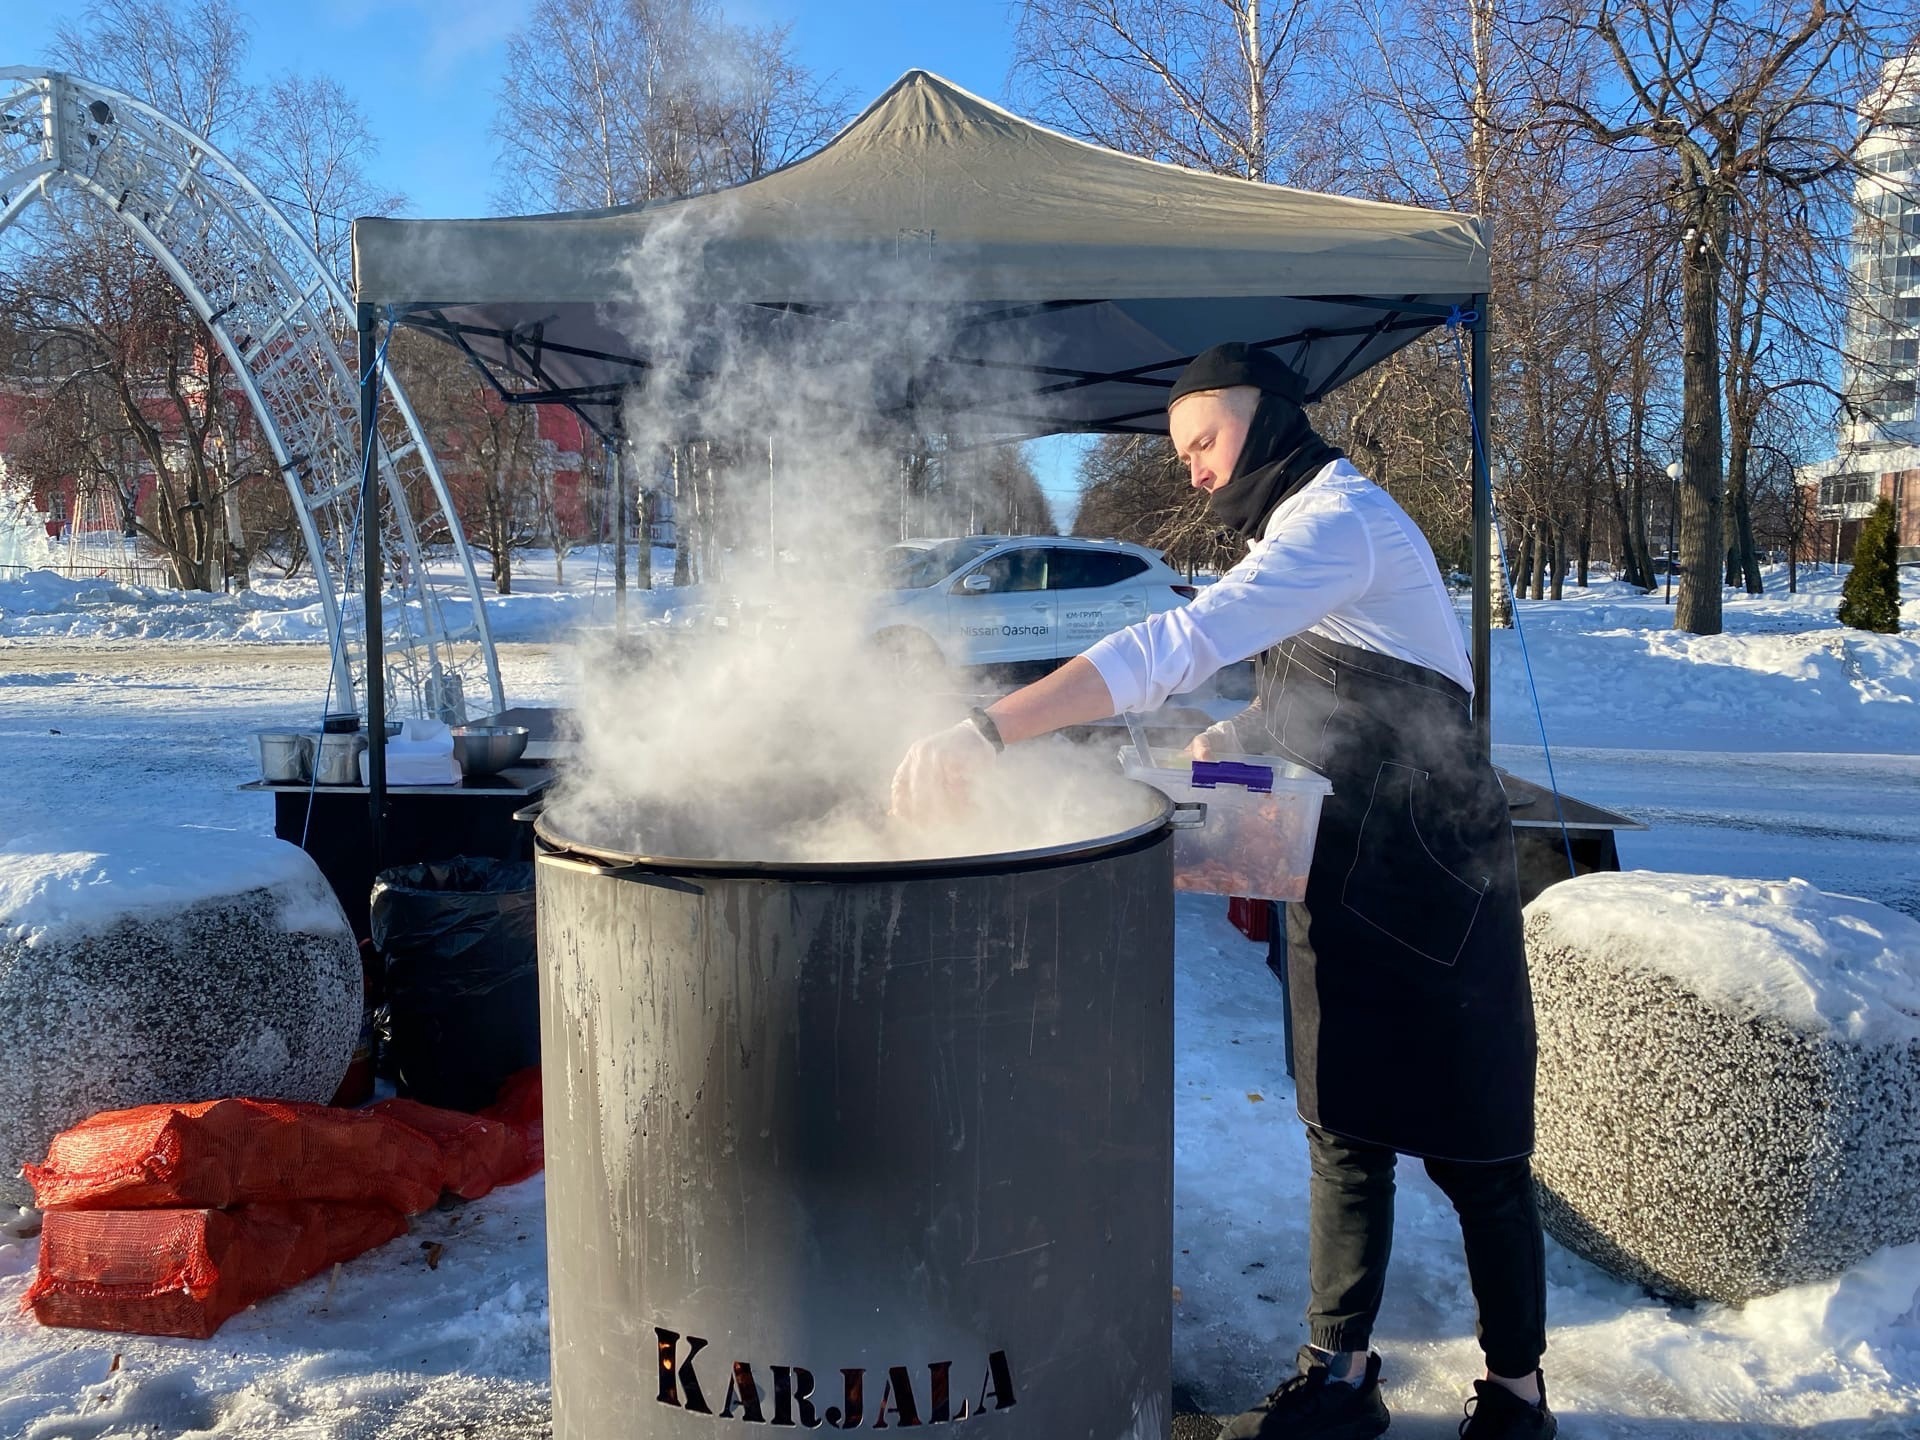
pixel 914 567
pixel 1091 569
pixel 1015 570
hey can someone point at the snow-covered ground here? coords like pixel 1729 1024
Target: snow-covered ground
pixel 1786 747
pixel 48 605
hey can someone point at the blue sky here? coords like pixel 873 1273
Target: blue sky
pixel 425 71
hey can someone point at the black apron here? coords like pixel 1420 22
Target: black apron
pixel 1412 1014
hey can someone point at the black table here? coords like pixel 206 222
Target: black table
pixel 1538 846
pixel 424 822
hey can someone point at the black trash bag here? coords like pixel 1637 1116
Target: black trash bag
pixel 462 1005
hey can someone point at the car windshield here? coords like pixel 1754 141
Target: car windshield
pixel 914 567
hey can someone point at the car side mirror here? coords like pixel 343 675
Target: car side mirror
pixel 977 584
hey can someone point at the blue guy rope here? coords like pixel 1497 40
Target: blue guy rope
pixel 1457 321
pixel 353 541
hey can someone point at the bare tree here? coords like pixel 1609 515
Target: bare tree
pixel 1133 487
pixel 612 102
pixel 546 473
pixel 489 450
pixel 771 109
pixel 569 128
pixel 616 102
pixel 146 376
pixel 154 379
pixel 183 57
pixel 1749 102
pixel 308 148
pixel 1216 85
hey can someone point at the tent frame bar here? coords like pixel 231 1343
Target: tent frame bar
pixel 1398 316
pixel 374 562
pixel 1483 578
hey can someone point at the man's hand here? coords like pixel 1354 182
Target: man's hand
pixel 936 778
pixel 1215 740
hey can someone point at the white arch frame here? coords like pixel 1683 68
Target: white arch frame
pixel 285 326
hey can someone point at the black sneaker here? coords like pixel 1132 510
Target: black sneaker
pixel 1496 1413
pixel 1314 1406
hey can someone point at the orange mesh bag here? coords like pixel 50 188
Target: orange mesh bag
pixel 186 1272
pixel 518 1106
pixel 235 1152
pixel 476 1153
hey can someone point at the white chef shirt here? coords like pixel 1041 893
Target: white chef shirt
pixel 1339 559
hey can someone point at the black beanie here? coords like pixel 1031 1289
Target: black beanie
pixel 1238 363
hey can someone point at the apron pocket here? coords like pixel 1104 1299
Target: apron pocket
pixel 1402 881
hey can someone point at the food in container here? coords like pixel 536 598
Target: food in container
pixel 1263 814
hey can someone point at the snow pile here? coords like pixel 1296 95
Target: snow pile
pixel 86 878
pixel 1746 1052
pixel 43 605
pixel 1753 949
pixel 151 964
pixel 1784 675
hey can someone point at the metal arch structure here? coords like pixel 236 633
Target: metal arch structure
pixel 288 330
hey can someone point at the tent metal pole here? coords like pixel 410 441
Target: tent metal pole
pixel 617 486
pixel 1483 578
pixel 374 564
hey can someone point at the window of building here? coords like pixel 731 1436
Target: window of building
pixel 1847 490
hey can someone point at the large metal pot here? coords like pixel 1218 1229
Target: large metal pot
pixel 829 1145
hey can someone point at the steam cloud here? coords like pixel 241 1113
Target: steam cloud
pixel 774 738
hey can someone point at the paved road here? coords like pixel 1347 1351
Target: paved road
pixel 1847 823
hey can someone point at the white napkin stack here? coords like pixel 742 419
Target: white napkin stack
pixel 421 754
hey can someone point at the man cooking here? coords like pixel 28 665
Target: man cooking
pixel 1413 1019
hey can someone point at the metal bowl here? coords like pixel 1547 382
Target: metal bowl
pixel 486 749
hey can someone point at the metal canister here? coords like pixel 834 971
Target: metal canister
pixel 857 1146
pixel 336 758
pixel 285 756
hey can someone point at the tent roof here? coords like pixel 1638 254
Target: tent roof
pixel 1080 278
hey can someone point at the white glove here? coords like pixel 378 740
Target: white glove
pixel 1221 739
pixel 936 778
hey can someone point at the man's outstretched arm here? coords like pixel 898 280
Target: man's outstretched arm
pixel 1072 695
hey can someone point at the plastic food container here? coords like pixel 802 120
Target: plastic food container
pixel 1262 816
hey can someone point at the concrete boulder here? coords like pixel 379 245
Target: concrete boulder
pixel 142 965
pixel 1729 1098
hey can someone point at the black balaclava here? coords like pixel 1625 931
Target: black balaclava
pixel 1281 453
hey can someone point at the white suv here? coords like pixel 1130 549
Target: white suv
pixel 1020 599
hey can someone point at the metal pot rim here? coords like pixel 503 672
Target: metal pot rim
pixel 551 843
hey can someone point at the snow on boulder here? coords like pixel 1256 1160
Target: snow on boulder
pixel 1729 1098
pixel 140 965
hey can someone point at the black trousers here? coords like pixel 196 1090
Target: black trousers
pixel 1351 1236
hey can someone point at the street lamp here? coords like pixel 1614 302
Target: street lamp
pixel 1673 504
